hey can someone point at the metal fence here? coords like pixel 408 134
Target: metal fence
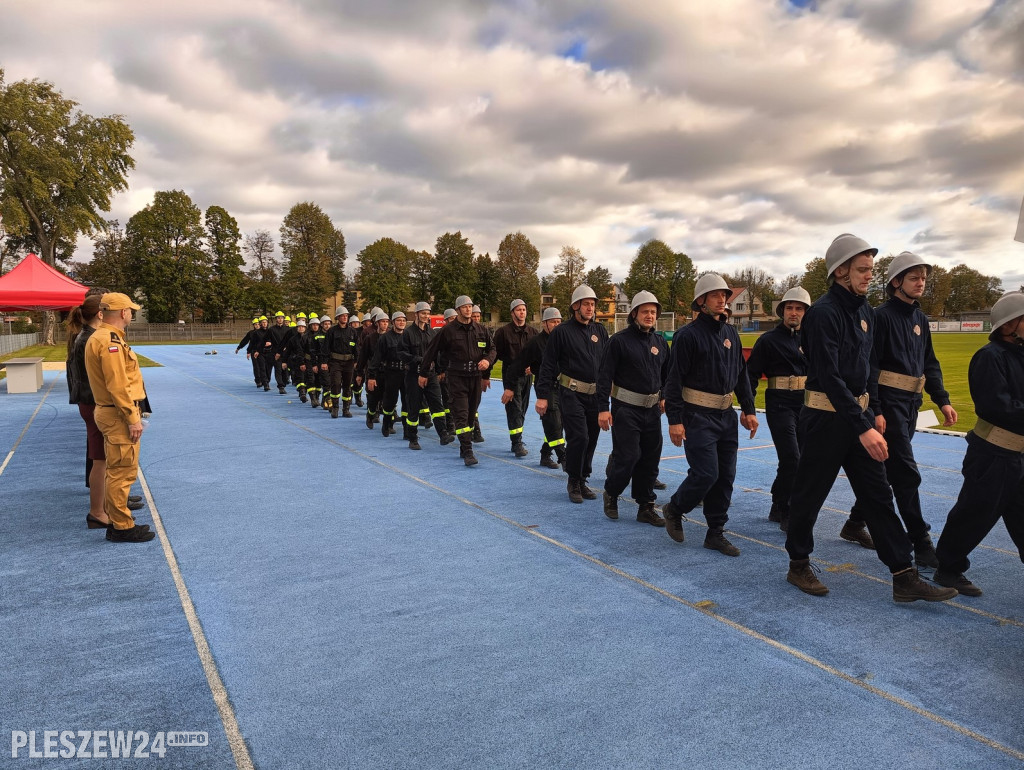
pixel 11 342
pixel 144 332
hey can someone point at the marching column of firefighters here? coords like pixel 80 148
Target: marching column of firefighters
pixel 843 387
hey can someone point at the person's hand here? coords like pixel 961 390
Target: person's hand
pixel 950 414
pixel 422 381
pixel 749 421
pixel 541 406
pixel 484 385
pixel 874 443
pixel 677 434
pixel 371 384
pixel 604 419
pixel 661 406
pixel 483 365
pixel 529 371
pixel 507 396
pixel 302 367
pixel 277 356
pixel 255 355
pixel 440 377
pixel 880 423
pixel 135 432
pixel 284 367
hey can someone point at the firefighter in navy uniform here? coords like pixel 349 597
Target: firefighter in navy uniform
pixel 387 371
pixel 441 366
pixel 297 357
pixel 315 361
pixel 469 351
pixel 509 341
pixel 633 372
pixel 366 352
pixel 357 384
pixel 531 358
pixel 707 366
pixel 903 363
pixel 278 336
pixel 342 350
pixel 570 364
pixel 415 342
pixel 993 468
pixel 838 428
pixel 246 342
pixel 778 355
pixel 262 349
pixel 478 436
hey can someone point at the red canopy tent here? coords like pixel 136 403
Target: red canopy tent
pixel 34 285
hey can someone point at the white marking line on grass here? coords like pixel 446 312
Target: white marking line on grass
pixel 24 430
pixel 243 761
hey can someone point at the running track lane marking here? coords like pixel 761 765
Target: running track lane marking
pixel 698 606
pixel 243 761
pixel 24 430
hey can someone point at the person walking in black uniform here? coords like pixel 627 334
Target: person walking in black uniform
pixel 278 336
pixel 778 355
pixel 903 363
pixel 633 372
pixel 297 357
pixel 317 362
pixel 415 342
pixel 570 365
pixel 246 342
pixel 469 351
pixel 838 427
pixel 368 349
pixel 342 351
pixel 357 385
pixel 509 341
pixel 707 366
pixel 387 371
pixel 530 360
pixel 261 347
pixel 441 366
pixel 993 467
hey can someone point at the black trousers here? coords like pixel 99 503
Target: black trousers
pixel 393 384
pixel 465 394
pixel 280 373
pixel 266 368
pixel 342 374
pixel 424 403
pixel 830 444
pixel 515 409
pixel 317 381
pixel 636 451
pixel 257 370
pixel 298 376
pixel 993 489
pixel 711 444
pixel 579 420
pixel 901 467
pixel 783 413
pixel 552 424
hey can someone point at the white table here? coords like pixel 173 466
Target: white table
pixel 24 375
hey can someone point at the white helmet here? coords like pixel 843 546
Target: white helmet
pixel 900 264
pixel 397 314
pixel 449 313
pixel 708 282
pixel 476 309
pixel 582 292
pixel 380 315
pixel 314 320
pixel 644 298
pixel 325 318
pixel 422 306
pixel 796 294
pixel 342 310
pixel 461 300
pixel 515 303
pixel 550 314
pixel 845 247
pixel 1007 307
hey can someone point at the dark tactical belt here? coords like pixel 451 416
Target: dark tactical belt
pixel 901 381
pixel 815 399
pixel 709 400
pixel 999 437
pixel 342 357
pixel 635 399
pixel 792 382
pixel 586 388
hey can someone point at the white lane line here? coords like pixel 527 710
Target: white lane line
pixel 243 760
pixel 27 425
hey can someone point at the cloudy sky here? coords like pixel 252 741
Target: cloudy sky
pixel 739 131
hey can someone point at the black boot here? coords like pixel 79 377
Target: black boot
pixel 359 398
pixel 413 439
pixel 546 460
pixel 924 553
pixel 519 449
pixel 441 427
pixel 314 401
pixel 648 514
pixel 611 506
pixel 346 410
pixel 573 488
pixel 369 420
pixel 478 437
pixel 587 492
pixel 385 426
pixel 857 532
pixel 673 522
pixel 466 453
pixel 560 454
pixel 302 395
pixel 907 586
pixel 334 410
pixel 716 540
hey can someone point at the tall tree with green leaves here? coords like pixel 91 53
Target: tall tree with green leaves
pixel 814 279
pixel 600 280
pixel 262 293
pixel 570 269
pixel 222 245
pixel 111 266
pixel 165 248
pixel 486 292
pixel 971 291
pixel 652 269
pixel 383 273
pixel 453 272
pixel 419 275
pixel 517 264
pixel 760 286
pixel 314 257
pixel 58 168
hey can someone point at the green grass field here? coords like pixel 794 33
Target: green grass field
pixel 954 351
pixel 53 353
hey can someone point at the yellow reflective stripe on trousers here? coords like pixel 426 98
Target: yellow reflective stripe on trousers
pixel 468 429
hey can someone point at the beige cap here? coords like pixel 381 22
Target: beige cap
pixel 116 301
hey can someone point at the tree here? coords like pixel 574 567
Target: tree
pixel 516 266
pixel 486 291
pixel 225 291
pixel 681 283
pixel 669 275
pixel 419 275
pixel 314 257
pixel 876 289
pixel 760 286
pixel 971 291
pixel 936 292
pixel 382 277
pixel 569 272
pixel 166 256
pixel 600 280
pixel 111 266
pixel 453 272
pixel 814 280
pixel 58 168
pixel 262 289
